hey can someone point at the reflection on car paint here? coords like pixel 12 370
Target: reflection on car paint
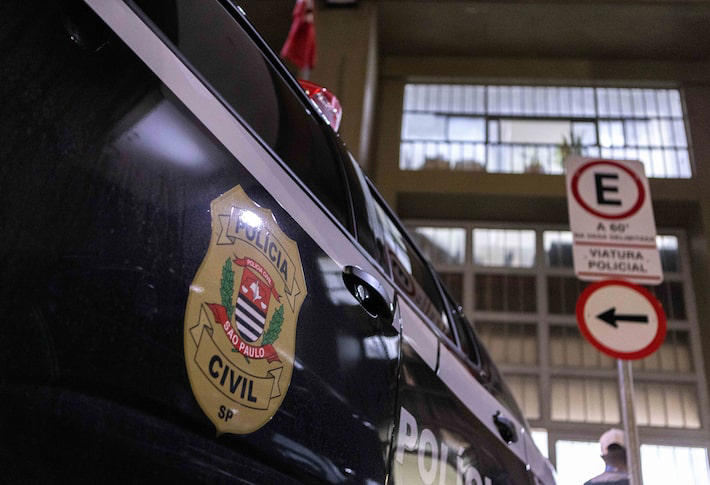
pixel 412 288
pixel 432 456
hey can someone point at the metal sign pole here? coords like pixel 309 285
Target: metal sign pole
pixel 626 393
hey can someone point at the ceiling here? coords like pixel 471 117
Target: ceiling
pixel 594 30
pixel 591 29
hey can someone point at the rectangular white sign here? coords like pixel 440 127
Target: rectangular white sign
pixel 611 217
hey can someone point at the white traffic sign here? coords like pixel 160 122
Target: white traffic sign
pixel 621 319
pixel 611 217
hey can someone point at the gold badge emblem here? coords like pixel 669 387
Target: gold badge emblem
pixel 240 321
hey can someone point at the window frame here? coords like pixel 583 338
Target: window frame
pixel 586 114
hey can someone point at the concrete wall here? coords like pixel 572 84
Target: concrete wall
pixel 347 62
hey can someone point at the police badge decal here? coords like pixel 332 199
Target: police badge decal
pixel 241 316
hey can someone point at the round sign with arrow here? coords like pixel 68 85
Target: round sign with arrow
pixel 621 319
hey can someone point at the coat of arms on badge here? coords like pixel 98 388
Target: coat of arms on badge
pixel 241 316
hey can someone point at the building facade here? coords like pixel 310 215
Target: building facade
pixel 462 112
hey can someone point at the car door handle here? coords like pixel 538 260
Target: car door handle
pixel 369 292
pixel 506 428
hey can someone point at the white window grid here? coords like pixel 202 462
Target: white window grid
pixel 465 132
pixel 543 321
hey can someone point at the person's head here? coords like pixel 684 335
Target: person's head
pixel 613 448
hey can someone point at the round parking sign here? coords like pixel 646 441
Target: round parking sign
pixel 621 319
pixel 608 189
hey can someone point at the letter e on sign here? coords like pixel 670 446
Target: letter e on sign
pixel 608 189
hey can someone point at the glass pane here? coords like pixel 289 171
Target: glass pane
pixel 410 92
pixel 630 131
pixel 406 157
pixel 569 349
pixel 666 405
pixel 526 391
pixel 540 438
pixel 668 248
pixel 436 156
pixel 625 101
pixel 493 132
pixel 558 248
pixel 421 92
pixel 642 131
pixel 466 129
pixel 588 400
pixel 505 99
pixel 586 133
pixel 454 283
pixel 534 131
pixel 664 105
pixel 562 294
pixel 613 102
pixel 445 98
pixel 684 164
pixel 504 247
pixel 676 107
pixel 505 293
pixel 661 465
pixel 431 98
pixel 577 461
pixel 423 126
pixel 509 343
pixel 467 156
pixel 442 245
pixel 670 294
pixel 679 133
pixel 638 103
pixel 611 133
pixel 674 355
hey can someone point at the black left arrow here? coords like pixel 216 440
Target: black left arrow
pixel 611 317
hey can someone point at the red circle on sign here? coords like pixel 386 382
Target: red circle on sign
pixel 638 354
pixel 639 186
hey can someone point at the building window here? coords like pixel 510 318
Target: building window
pixel 443 245
pixel 674 464
pixel 509 343
pixel 516 129
pixel 578 461
pixel 585 400
pixel 504 247
pixel 518 287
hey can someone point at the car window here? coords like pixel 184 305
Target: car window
pixel 463 330
pixel 410 271
pixel 367 224
pixel 218 48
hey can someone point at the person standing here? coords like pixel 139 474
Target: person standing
pixel 614 455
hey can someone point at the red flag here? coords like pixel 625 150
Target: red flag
pixel 300 45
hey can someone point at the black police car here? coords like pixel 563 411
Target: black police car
pixel 198 282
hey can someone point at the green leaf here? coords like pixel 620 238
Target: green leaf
pixel 272 334
pixel 226 289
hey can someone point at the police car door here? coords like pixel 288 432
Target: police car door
pixel 288 339
pixel 451 430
